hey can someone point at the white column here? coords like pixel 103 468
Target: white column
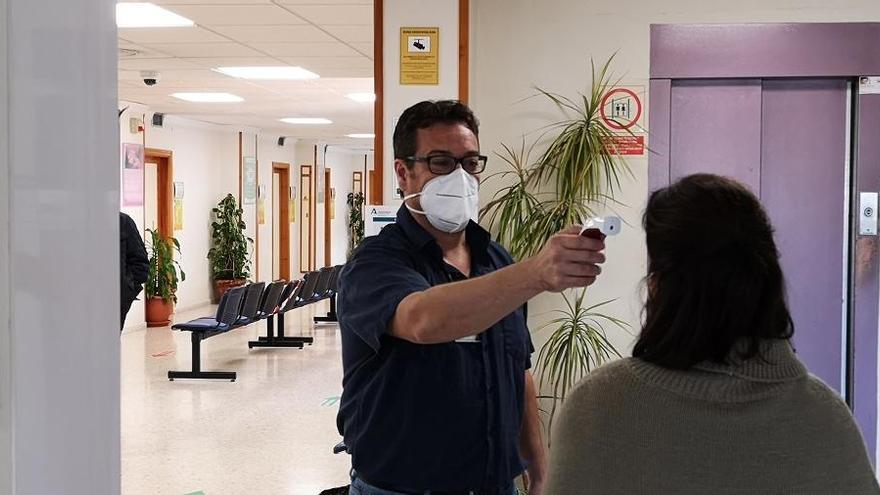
pixel 442 14
pixel 59 248
pixel 5 203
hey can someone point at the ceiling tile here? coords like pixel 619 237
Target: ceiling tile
pixel 327 15
pixel 208 2
pixel 326 2
pixel 139 63
pixel 347 72
pixel 318 63
pixel 169 35
pixel 213 62
pixel 334 49
pixel 275 34
pixel 352 34
pixel 364 48
pixel 236 15
pixel 205 49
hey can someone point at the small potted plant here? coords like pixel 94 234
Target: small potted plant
pixel 162 278
pixel 229 256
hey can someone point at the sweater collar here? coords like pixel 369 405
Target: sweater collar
pixel 736 381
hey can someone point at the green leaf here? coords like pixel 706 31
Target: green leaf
pixel 554 179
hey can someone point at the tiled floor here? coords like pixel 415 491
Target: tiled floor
pixel 269 432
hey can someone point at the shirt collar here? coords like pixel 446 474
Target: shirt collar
pixel 477 237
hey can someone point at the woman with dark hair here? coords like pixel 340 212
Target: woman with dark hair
pixel 713 400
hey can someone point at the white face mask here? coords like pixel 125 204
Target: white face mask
pixel 449 201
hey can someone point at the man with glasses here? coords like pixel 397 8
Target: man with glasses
pixel 437 396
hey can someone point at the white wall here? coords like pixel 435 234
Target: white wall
pixel 205 159
pixel 520 43
pixel 249 215
pixel 59 271
pixel 397 98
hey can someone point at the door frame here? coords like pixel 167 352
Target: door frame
pixel 164 160
pixel 788 50
pixel 283 220
pixel 307 218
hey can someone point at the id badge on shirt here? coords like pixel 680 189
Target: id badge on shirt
pixel 472 339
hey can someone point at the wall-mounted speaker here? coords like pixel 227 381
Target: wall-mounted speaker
pixel 281 141
pixel 158 119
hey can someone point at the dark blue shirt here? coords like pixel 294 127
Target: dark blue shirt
pixel 442 417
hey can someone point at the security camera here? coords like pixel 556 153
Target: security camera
pixel 150 77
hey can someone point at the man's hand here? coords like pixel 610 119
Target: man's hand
pixel 568 260
pixel 533 486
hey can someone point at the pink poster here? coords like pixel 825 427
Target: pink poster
pixel 133 175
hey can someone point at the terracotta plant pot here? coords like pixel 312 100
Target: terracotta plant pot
pixel 158 312
pixel 221 286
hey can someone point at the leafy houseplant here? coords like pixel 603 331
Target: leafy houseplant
pixel 229 256
pixel 355 221
pixel 162 278
pixel 561 187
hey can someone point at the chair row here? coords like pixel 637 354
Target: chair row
pixel 248 304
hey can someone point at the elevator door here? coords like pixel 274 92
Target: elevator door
pixel 787 140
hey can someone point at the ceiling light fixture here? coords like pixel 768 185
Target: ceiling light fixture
pixel 362 97
pixel 362 136
pixel 147 15
pixel 268 73
pixel 306 120
pixel 209 97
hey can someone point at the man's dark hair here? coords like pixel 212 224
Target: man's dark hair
pixel 714 282
pixel 425 114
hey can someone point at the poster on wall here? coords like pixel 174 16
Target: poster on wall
pixel 249 166
pixel 133 175
pixel 178 214
pixel 291 208
pixel 419 56
pixel 261 206
pixel 321 170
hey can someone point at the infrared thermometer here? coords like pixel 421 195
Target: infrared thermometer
pixel 601 227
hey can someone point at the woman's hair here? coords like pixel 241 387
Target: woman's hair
pixel 714 281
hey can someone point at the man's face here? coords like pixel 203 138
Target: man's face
pixel 440 139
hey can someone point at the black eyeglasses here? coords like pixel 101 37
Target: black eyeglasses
pixel 446 164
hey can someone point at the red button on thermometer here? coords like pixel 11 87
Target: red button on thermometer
pixel 601 227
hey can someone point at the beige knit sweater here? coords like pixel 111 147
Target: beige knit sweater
pixel 749 428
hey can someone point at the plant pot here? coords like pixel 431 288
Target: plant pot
pixel 158 312
pixel 221 286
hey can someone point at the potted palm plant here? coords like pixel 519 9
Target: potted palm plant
pixel 230 254
pixel 355 221
pixel 162 278
pixel 573 174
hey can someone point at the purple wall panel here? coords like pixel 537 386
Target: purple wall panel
pixel 764 50
pixel 803 190
pixel 658 135
pixel 867 266
pixel 716 127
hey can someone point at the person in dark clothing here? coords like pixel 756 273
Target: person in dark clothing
pixel 437 393
pixel 133 264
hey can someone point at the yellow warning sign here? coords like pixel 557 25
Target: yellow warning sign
pixel 419 56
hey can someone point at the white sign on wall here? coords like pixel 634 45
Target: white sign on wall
pixel 377 217
pixel 869 85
